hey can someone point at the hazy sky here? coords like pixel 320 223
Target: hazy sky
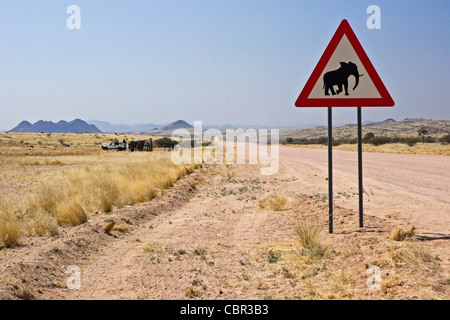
pixel 219 61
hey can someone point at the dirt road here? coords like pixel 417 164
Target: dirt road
pixel 209 237
pixel 414 187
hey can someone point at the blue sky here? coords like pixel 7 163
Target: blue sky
pixel 240 62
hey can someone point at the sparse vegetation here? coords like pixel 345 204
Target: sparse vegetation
pixel 200 251
pixel 389 132
pixel 276 203
pixel 308 234
pixel 445 139
pixel 61 188
pixel 159 143
pixel 422 133
pixel 408 257
pixel 273 256
pixel 9 231
pixel 266 255
pixel 398 234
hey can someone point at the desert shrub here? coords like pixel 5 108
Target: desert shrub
pixel 159 143
pixel 347 140
pixel 379 140
pixel 322 140
pixel 445 139
pixel 63 143
pixel 273 256
pixel 411 141
pixel 301 141
pixel 200 251
pixel 397 140
pixel 336 143
pixel 368 136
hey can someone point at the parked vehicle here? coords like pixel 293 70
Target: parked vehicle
pixel 115 145
pixel 141 145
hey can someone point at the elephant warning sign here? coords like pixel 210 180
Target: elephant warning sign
pixel 344 76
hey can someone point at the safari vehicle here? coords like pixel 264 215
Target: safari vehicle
pixel 115 145
pixel 141 145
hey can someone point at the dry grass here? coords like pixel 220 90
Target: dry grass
pixel 276 203
pixel 308 234
pixel 398 234
pixel 409 257
pixel 43 145
pixel 70 213
pixel 9 231
pixel 52 184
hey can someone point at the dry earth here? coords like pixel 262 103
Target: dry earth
pixel 208 238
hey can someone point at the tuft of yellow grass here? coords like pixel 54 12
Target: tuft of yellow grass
pixel 9 231
pixel 398 234
pixel 409 257
pixel 276 203
pixel 70 213
pixel 308 235
pixel 390 282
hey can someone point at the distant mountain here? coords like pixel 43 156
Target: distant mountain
pixel 385 122
pixel 179 124
pixel 112 128
pixel 74 126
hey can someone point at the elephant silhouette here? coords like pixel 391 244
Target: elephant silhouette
pixel 339 78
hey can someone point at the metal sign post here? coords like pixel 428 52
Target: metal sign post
pixel 330 171
pixel 360 170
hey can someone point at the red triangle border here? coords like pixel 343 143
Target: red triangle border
pixel 385 100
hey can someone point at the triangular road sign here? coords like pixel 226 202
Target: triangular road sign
pixel 344 76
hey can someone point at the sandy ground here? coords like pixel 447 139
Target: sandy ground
pixel 415 187
pixel 208 238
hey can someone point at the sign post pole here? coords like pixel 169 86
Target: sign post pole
pixel 330 171
pixel 360 170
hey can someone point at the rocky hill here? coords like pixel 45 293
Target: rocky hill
pixel 179 124
pixel 388 127
pixel 74 126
